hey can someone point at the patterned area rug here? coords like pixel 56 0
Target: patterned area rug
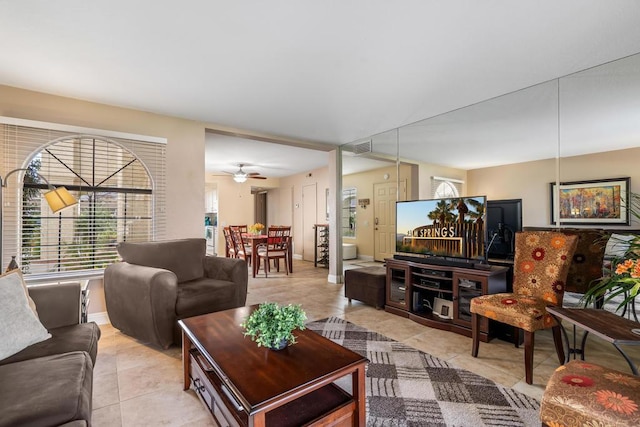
pixel 406 387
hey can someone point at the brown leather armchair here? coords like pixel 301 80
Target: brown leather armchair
pixel 158 283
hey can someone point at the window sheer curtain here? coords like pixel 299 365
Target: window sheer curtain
pixel 120 184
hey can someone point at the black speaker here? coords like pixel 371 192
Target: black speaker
pixel 417 302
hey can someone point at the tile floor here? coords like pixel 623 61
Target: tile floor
pixel 141 385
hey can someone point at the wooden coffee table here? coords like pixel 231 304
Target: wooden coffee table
pixel 610 327
pixel 245 385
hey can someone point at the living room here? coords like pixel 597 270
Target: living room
pixel 515 122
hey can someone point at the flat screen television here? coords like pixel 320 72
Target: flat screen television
pixel 504 219
pixel 442 229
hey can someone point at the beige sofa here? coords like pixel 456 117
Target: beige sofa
pixel 158 283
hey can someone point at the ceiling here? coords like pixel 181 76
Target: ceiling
pixel 329 72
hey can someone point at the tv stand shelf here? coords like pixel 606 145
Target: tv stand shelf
pixel 438 295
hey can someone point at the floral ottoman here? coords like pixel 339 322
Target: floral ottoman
pixel 585 394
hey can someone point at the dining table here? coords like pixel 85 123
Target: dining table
pixel 256 239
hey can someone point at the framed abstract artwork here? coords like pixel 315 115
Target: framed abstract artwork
pixel 595 202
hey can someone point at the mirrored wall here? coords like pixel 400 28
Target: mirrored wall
pixel 577 128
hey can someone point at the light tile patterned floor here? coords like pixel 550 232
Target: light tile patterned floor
pixel 140 385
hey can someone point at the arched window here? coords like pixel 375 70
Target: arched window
pixel 445 188
pixel 115 194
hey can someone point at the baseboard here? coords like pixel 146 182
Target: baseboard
pixel 100 318
pixel 335 278
pixel 367 258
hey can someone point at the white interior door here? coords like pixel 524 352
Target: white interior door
pixel 309 218
pixel 384 234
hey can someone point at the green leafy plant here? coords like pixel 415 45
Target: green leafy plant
pixel 270 324
pixel 622 277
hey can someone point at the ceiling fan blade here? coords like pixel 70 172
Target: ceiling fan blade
pixel 257 177
pixel 253 173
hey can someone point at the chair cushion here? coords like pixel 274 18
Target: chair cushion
pixel 79 337
pixel 19 325
pixel 523 311
pixel 271 253
pixel 585 394
pixel 183 257
pixel 47 391
pixel 205 296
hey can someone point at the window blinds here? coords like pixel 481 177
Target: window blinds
pixel 119 183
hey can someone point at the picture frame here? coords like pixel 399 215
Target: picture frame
pixel 593 202
pixel 443 308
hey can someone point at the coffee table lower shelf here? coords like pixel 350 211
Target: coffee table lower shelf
pixel 326 406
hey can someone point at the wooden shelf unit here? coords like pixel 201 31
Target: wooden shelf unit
pixel 321 245
pixel 414 288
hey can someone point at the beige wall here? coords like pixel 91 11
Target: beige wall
pixel 185 145
pixel 428 170
pixel 530 181
pixel 290 195
pixel 363 183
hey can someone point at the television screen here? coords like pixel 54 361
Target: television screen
pixel 451 227
pixel 504 219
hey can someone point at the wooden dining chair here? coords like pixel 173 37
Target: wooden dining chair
pixel 241 249
pixel 276 248
pixel 285 232
pixel 230 247
pixel 244 228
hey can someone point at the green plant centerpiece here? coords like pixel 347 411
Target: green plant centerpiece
pixel 272 325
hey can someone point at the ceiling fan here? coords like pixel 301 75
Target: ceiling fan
pixel 241 176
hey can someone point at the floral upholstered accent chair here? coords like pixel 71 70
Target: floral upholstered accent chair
pixel 540 269
pixel 585 394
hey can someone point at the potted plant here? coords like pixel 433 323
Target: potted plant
pixel 272 326
pixel 622 277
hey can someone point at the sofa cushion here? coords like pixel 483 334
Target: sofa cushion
pixel 78 337
pixel 19 326
pixel 47 391
pixel 618 245
pixel 18 273
pixel 183 257
pixel 205 296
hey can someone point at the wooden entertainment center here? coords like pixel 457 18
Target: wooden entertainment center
pixel 439 296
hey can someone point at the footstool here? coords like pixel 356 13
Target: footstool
pixel 366 284
pixel 586 394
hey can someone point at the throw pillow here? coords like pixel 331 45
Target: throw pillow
pixel 32 304
pixel 19 326
pixel 617 245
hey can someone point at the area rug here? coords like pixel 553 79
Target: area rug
pixel 407 387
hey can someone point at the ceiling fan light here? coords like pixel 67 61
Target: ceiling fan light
pixel 240 178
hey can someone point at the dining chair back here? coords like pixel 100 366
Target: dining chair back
pixel 276 248
pixel 230 247
pixel 244 228
pixel 241 249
